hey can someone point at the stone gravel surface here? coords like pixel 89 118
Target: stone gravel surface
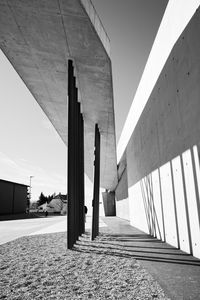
pixel 41 267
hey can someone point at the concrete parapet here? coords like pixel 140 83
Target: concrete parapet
pixel 91 11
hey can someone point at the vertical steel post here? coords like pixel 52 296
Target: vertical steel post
pixel 71 184
pixel 95 214
pixel 83 175
pixel 75 217
pixel 78 171
pixel 81 184
pixel 76 199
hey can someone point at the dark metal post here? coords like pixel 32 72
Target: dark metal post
pixel 76 162
pixel 81 183
pixel 95 214
pixel 71 184
pixel 78 172
pixel 75 226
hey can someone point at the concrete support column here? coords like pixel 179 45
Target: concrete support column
pixel 109 203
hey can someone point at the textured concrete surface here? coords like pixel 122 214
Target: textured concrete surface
pixel 109 203
pixel 170 123
pixel 122 187
pixel 122 209
pixel 177 272
pixel 38 37
pixel 162 155
pixel 174 21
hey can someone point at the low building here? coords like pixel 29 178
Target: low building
pixel 13 197
pixel 58 204
pixel 42 208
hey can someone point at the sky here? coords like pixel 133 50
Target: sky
pixel 30 146
pixel 131 26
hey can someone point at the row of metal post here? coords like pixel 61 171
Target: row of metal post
pixel 76 205
pixel 76 214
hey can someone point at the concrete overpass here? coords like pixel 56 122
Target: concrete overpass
pixel 38 37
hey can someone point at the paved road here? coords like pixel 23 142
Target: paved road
pixel 10 230
pixel 13 229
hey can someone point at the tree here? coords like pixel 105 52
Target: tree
pixel 42 199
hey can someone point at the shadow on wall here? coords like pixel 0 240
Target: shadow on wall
pixel 166 202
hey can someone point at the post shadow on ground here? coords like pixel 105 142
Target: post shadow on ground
pixel 121 250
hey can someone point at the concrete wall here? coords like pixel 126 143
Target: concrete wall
pixel 109 204
pixel 121 192
pixel 170 123
pixel 13 197
pixel 175 19
pixel 162 155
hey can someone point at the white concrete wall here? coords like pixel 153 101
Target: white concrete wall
pixel 122 209
pixel 162 155
pixel 174 187
pixel 121 192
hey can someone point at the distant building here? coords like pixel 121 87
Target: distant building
pixel 58 204
pixel 13 197
pixel 33 205
pixel 42 208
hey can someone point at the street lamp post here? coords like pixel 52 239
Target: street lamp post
pixel 30 191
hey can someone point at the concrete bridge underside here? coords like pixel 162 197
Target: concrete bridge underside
pixel 38 37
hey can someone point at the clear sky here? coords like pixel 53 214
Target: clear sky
pixel 29 143
pixel 131 26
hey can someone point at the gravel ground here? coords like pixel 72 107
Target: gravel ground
pixel 41 267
